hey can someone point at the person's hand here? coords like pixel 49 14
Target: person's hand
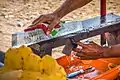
pixel 52 19
pixel 89 51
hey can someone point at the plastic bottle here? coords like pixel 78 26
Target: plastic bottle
pixel 44 27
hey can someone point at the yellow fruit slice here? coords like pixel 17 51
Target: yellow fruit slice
pixel 16 57
pixel 30 75
pixel 50 65
pixel 22 64
pixel 10 58
pixel 61 70
pixel 33 63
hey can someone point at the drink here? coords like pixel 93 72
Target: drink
pixel 44 27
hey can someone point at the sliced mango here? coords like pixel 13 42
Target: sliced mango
pixel 22 64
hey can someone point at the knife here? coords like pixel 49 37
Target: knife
pixel 71 75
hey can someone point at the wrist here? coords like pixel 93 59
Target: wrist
pixel 58 13
pixel 63 10
pixel 107 52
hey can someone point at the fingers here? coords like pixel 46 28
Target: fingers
pixel 88 51
pixel 50 19
pixel 52 25
pixel 84 45
pixel 85 51
pixel 42 19
pixel 80 55
pixel 89 45
pixel 83 56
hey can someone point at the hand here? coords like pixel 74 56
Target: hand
pixel 52 19
pixel 89 51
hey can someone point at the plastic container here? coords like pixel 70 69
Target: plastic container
pixel 102 71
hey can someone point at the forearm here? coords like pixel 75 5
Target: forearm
pixel 114 51
pixel 70 5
